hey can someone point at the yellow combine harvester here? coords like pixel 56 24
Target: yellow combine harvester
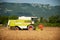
pixel 22 23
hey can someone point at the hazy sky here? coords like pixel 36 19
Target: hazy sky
pixel 51 2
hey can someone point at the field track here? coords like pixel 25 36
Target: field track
pixel 49 33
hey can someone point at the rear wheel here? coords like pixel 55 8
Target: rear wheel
pixel 16 28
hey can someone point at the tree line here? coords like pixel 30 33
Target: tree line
pixel 4 19
pixel 52 21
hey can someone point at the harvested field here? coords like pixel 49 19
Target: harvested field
pixel 49 33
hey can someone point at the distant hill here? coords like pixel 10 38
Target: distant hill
pixel 27 9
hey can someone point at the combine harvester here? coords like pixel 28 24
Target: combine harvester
pixel 22 23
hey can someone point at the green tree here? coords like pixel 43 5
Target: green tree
pixel 41 19
pixel 13 17
pixel 54 19
pixel 3 19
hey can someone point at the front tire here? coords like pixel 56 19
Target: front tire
pixel 30 27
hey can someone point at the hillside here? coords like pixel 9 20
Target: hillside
pixel 29 9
